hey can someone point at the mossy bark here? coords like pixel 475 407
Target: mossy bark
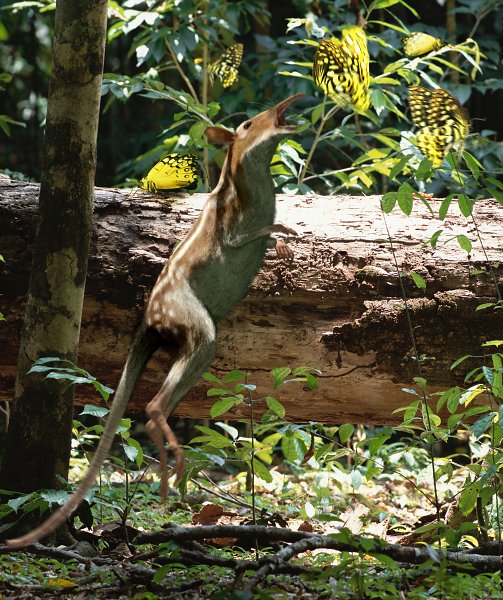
pixel 38 440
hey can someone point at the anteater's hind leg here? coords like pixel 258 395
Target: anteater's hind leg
pixel 194 326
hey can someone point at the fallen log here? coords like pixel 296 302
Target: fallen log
pixel 336 306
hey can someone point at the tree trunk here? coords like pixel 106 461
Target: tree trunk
pixel 39 435
pixel 337 306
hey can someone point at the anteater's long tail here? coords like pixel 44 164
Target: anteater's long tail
pixel 146 342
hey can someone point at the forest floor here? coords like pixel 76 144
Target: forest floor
pixel 120 558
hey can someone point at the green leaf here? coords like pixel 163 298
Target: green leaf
pixel 481 425
pixel 376 4
pixel 388 202
pixel 484 306
pixel 464 243
pixel 95 411
pixel 131 452
pixel 497 194
pixel 345 432
pixel 217 392
pixel 421 382
pixel 465 205
pixel 418 280
pixel 234 375
pixel 16 503
pixel 279 375
pixel 212 378
pixel 52 497
pixel 405 198
pixel 356 479
pixel 223 405
pixel 434 238
pixel 103 390
pixel 293 448
pixel 488 374
pixel 398 169
pixel 317 113
pixel 444 207
pixel 460 360
pixel 468 497
pixel 275 407
pixel 261 471
pixel 473 164
pixel 232 431
pixel 138 458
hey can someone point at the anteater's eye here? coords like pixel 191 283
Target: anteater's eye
pixel 247 125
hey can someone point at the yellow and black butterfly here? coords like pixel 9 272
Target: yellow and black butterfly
pixel 441 120
pixel 341 68
pixel 226 66
pixel 418 43
pixel 170 173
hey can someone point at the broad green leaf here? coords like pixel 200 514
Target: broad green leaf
pixel 279 375
pixel 465 205
pixel 356 479
pixel 464 243
pixel 473 164
pixel 481 425
pixel 217 392
pixel 138 458
pixel 131 451
pixel 275 407
pixel 232 431
pixel 468 497
pixel 471 394
pixel 444 207
pixel 460 360
pixel 234 375
pixel 293 448
pixel 212 378
pixel 261 471
pixel 405 198
pixel 95 411
pixel 418 280
pixel 16 503
pixel 345 432
pixel 223 405
pixel 398 168
pixel 388 202
pixel 497 194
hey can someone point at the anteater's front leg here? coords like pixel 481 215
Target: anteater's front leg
pixel 282 249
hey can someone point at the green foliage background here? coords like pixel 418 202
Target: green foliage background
pixel 156 60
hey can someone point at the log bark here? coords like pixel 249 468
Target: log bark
pixel 337 306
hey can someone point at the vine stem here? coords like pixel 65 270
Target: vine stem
pixel 252 469
pixel 424 400
pixel 205 93
pixel 324 118
pixel 180 70
pixel 481 242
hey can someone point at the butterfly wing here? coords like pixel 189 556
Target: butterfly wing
pixel 341 68
pixel 226 66
pixel 171 172
pixel 441 120
pixel 418 43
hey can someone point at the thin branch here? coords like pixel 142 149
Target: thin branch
pixel 181 71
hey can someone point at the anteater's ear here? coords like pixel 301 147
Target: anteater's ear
pixel 218 135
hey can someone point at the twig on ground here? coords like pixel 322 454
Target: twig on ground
pixel 353 544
